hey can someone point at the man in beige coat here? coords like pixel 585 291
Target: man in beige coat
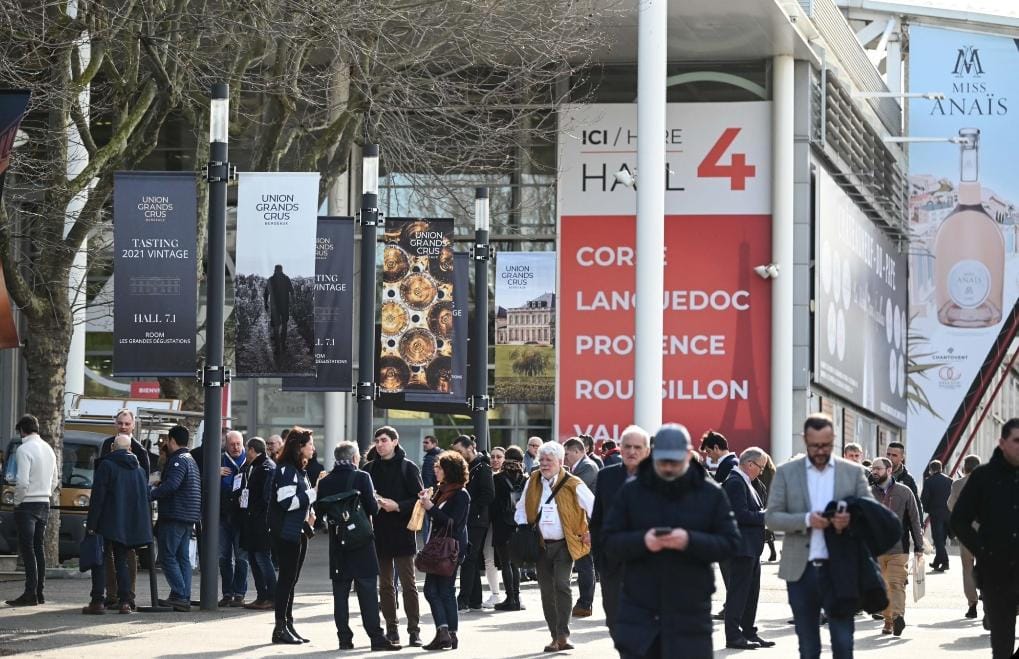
pixel 969 583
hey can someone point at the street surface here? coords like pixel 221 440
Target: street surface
pixel 935 626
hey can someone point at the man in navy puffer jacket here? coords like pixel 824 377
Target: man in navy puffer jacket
pixel 180 505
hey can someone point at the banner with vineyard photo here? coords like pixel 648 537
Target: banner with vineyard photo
pixel 525 316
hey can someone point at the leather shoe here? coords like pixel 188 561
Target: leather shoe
pixel 761 642
pixel 581 612
pixel 379 646
pixel 94 609
pixel 293 632
pixel 971 612
pixel 741 644
pixel 898 624
pixel 349 645
pixel 282 635
pixel 25 600
pixel 125 608
pixel 413 641
pixel 225 601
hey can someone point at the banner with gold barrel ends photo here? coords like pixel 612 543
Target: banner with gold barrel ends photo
pixel 525 316
pixel 416 317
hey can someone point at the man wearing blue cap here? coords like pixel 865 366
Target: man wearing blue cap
pixel 668 526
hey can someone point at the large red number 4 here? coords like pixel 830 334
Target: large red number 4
pixel 737 171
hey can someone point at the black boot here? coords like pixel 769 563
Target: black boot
pixel 442 640
pixel 454 642
pixel 511 603
pixel 280 634
pixel 293 632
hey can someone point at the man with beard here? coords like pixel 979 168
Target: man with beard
pixel 481 488
pixel 896 453
pixel 668 526
pixel 397 484
pixel 276 298
pixel 801 490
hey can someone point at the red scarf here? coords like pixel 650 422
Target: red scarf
pixel 445 492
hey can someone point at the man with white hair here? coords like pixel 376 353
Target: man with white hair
pixel 559 504
pixel 233 566
pixel 635 445
pixel 273 446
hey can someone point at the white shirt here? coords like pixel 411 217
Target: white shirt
pixel 37 471
pixel 821 486
pixel 746 479
pixel 553 529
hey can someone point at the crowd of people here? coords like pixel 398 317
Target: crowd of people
pixel 647 518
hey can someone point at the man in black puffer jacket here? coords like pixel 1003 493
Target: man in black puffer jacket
pixel 668 526
pixel 986 522
pixel 179 495
pixel 397 482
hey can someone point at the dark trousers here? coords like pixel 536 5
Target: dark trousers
pixel 554 569
pixel 470 570
pixel 1000 608
pixel 688 647
pixel 442 600
pixel 367 600
pixel 806 598
pixel 585 581
pixel 611 588
pixel 741 597
pixel 510 572
pixel 939 534
pixel 291 558
pixel 30 522
pixel 113 585
pixel 120 564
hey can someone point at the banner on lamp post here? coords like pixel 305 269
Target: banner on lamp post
pixel 334 309
pixel 274 303
pixel 416 347
pixel 13 104
pixel 525 319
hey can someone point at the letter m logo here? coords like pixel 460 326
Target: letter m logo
pixel 968 62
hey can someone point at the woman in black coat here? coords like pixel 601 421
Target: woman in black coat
pixel 290 516
pixel 509 486
pixel 448 509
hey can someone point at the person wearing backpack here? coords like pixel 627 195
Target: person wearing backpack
pixel 346 500
pixel 509 485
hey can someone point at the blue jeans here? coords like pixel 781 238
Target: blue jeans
pixel 174 541
pixel 441 596
pixel 233 568
pixel 30 521
pixel 806 598
pixel 263 574
pixel 123 575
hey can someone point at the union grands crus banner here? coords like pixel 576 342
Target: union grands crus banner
pixel 277 219
pixel 334 309
pixel 155 281
pixel 417 306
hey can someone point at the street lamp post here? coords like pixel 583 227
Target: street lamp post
pixel 369 219
pixel 479 399
pixel 214 377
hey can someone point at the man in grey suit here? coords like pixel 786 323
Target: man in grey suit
pixel 584 468
pixel 801 490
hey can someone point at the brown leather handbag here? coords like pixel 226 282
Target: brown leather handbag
pixel 441 554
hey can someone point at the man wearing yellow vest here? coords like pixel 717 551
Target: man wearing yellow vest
pixel 560 504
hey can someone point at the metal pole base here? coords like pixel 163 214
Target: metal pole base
pixel 153 588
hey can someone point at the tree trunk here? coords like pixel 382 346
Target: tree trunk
pixel 45 354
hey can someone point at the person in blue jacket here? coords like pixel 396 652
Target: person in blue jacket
pixel 448 508
pixel 179 494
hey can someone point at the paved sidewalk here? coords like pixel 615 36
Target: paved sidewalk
pixel 935 628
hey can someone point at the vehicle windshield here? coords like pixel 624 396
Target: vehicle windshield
pixel 79 464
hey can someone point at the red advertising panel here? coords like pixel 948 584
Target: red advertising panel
pixel 717 345
pixel 145 389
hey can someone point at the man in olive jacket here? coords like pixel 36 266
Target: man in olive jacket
pixel 985 520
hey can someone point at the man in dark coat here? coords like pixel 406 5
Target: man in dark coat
pixel 668 526
pixel 985 520
pixel 636 445
pixel 119 512
pixel 179 494
pixel 591 453
pixel 580 465
pixel 125 422
pixel 358 567
pixel 936 490
pixel 481 487
pixel 256 495
pixel 397 482
pixel 744 588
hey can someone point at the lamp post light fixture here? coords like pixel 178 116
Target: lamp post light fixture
pixel 214 376
pixel 369 219
pixel 482 253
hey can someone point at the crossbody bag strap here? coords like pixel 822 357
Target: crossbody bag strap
pixel 555 491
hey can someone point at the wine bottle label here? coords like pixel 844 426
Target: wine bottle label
pixel 969 283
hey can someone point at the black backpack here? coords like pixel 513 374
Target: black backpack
pixel 348 522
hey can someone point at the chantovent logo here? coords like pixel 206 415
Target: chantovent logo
pixel 967 62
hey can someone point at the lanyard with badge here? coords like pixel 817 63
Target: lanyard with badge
pixel 550 511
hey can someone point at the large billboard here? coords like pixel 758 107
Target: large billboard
pixel 717 312
pixel 964 273
pixel 860 295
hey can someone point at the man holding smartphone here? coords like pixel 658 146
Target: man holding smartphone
pixel 801 490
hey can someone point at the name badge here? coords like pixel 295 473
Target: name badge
pixel 244 498
pixel 549 515
pixel 238 480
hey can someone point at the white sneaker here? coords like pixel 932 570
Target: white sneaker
pixel 492 600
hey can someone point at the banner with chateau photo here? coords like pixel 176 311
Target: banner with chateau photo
pixel 963 286
pixel 525 316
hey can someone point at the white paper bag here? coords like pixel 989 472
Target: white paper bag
pixel 919 583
